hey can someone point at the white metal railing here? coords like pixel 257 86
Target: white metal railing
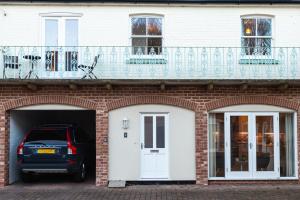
pixel 95 62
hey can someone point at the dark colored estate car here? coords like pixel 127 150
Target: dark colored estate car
pixel 53 148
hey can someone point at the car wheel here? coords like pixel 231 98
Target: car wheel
pixel 81 174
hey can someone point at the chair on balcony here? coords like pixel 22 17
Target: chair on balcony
pixel 11 63
pixel 88 69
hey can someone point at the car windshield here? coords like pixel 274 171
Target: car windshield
pixel 37 135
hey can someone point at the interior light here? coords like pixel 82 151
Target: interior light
pixel 248 31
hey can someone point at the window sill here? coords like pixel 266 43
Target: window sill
pixel 146 61
pixel 250 61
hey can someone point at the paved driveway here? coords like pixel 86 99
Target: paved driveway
pixel 75 191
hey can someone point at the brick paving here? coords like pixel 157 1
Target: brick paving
pixel 82 191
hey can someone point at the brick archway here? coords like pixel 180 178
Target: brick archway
pixel 165 100
pixel 200 128
pixel 265 100
pixel 34 100
pixel 63 100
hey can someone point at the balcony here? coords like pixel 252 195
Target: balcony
pixel 139 63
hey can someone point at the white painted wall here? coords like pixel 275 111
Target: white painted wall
pixel 189 25
pixel 124 153
pixel 22 121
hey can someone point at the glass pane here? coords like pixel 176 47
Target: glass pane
pixel 264 143
pixel 47 135
pixel 154 44
pixel 139 45
pixel 154 26
pixel 216 145
pixel 148 131
pixel 263 46
pixel 51 32
pixel 249 45
pixel 138 26
pixel 248 27
pixel 287 154
pixel 239 143
pixel 160 132
pixel 71 32
pixel 264 27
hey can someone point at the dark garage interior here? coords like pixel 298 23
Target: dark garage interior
pixel 21 121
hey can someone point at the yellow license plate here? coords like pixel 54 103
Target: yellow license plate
pixel 46 151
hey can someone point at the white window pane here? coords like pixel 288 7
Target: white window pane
pixel 148 132
pixel 249 27
pixel 160 132
pixel 139 45
pixel 263 46
pixel 264 27
pixel 154 44
pixel 216 145
pixel 71 36
pixel 287 150
pixel 138 26
pixel 51 32
pixel 154 26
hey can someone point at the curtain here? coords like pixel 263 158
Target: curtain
pixel 289 143
pixel 212 126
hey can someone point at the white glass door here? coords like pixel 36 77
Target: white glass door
pixel 61 43
pixel 252 145
pixel 154 146
pixel 238 145
pixel 266 148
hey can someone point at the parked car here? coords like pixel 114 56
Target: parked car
pixel 55 148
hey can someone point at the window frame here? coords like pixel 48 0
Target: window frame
pixel 271 37
pixel 147 16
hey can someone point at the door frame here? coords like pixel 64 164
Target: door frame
pixel 141 135
pixel 252 174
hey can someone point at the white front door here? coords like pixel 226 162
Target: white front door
pixel 154 146
pixel 252 145
pixel 61 43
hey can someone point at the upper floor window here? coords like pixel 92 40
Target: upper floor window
pixel 257 35
pixel 146 34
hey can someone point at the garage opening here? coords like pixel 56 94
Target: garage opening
pixel 25 119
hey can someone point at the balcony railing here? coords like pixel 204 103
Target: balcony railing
pixel 167 63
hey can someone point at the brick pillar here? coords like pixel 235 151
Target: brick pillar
pixel 201 148
pixel 101 147
pixel 4 148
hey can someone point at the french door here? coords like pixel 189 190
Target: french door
pixel 252 145
pixel 61 43
pixel 154 146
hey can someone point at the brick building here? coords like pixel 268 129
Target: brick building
pixel 202 91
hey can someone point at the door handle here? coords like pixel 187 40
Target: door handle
pixel 250 145
pixel 142 145
pixel 154 151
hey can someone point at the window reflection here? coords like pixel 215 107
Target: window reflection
pixel 239 143
pixel 287 155
pixel 264 143
pixel 216 145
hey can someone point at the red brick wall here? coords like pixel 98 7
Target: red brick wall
pixel 196 98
